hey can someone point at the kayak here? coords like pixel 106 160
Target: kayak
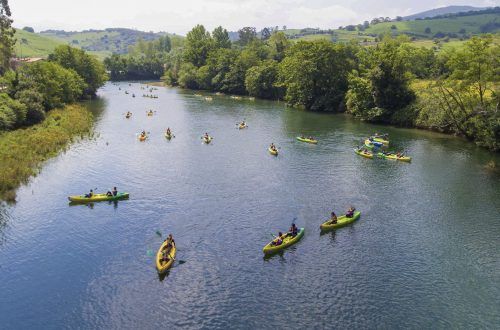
pixel 207 141
pixel 287 241
pixel 273 152
pixel 168 136
pixel 341 222
pixel 143 138
pixel 150 114
pixel 128 116
pixel 162 266
pixel 242 126
pixel 395 157
pixel 381 140
pixel 97 198
pixel 307 140
pixel 373 144
pixel 363 154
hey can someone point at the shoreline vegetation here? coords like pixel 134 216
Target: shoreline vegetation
pixel 453 91
pixel 24 150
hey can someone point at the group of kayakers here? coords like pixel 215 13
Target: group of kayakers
pixel 151 96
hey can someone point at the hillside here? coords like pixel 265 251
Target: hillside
pixel 441 11
pixel 112 40
pixel 34 45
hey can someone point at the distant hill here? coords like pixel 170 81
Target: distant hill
pixel 442 11
pixel 33 44
pixel 111 41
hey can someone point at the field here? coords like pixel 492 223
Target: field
pixel 34 45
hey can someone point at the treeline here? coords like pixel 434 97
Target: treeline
pixel 376 84
pixel 27 93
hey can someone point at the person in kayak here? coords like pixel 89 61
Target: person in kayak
pixel 168 131
pixel 90 194
pixel 278 240
pixel 272 147
pixel 293 230
pixel 333 218
pixel 350 212
pixel 168 247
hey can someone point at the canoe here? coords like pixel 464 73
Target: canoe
pixel 97 198
pixel 168 136
pixel 162 266
pixel 207 141
pixel 287 241
pixel 373 144
pixel 307 140
pixel 341 222
pixel 395 157
pixel 273 152
pixel 381 140
pixel 143 138
pixel 361 153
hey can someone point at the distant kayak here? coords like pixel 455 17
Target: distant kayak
pixel 287 241
pixel 364 154
pixel 97 198
pixel 168 136
pixel 394 157
pixel 373 144
pixel 307 140
pixel 143 138
pixel 207 140
pixel 341 222
pixel 242 126
pixel 163 266
pixel 381 140
pixel 273 152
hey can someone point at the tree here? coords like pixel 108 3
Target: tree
pixel 246 35
pixel 314 75
pixel 359 99
pixel 29 29
pixel 221 38
pixel 164 44
pixel 86 66
pixel 265 34
pixel 197 46
pixel 260 80
pixel 278 43
pixel 12 112
pixel 7 40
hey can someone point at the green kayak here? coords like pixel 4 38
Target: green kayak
pixel 287 241
pixel 341 222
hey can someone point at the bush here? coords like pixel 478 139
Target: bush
pixel 12 113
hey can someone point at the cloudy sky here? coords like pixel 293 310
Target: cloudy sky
pixel 180 16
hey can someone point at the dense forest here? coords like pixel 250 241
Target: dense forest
pixel 392 82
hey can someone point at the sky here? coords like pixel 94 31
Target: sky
pixel 180 16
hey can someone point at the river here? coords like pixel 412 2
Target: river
pixel 424 254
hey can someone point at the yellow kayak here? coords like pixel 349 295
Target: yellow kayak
pixel 307 140
pixel 128 116
pixel 168 136
pixel 150 114
pixel 161 265
pixel 207 141
pixel 242 126
pixel 395 157
pixel 143 138
pixel 341 222
pixel 97 198
pixel 381 140
pixel 273 152
pixel 287 241
pixel 364 154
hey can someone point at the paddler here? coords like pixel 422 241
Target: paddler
pixel 333 218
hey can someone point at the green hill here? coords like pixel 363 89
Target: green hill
pixel 108 41
pixel 442 11
pixel 34 45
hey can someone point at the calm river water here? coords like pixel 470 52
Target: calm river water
pixel 424 254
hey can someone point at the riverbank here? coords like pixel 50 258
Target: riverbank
pixel 23 151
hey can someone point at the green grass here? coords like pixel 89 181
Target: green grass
pixel 471 24
pixel 34 45
pixel 24 150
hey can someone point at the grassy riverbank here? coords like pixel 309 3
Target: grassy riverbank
pixel 22 151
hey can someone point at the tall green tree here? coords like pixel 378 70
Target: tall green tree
pixel 197 46
pixel 86 66
pixel 7 32
pixel 260 80
pixel 221 38
pixel 247 35
pixel 278 43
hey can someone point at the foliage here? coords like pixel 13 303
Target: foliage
pixel 23 150
pixel 12 112
pixel 260 80
pixel 198 44
pixel 86 66
pixel 315 75
pixel 7 32
pixel 247 35
pixel 221 38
